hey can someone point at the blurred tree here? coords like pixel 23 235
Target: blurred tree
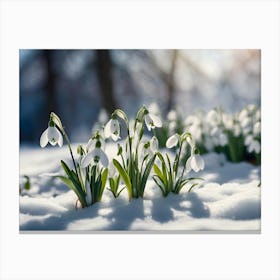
pixel 50 81
pixel 104 68
pixel 171 82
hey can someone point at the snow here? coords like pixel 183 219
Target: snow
pixel 228 200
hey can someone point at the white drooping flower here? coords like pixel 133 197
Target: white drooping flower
pixel 154 108
pixel 92 143
pixel 172 116
pixel 172 141
pixel 112 129
pixel 152 121
pixel 252 144
pixel 95 156
pixel 154 144
pixel 148 148
pixel 227 121
pixel 257 128
pixel 236 130
pixel 195 162
pixel 213 118
pixel 51 135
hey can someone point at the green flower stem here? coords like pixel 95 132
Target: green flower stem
pixel 177 160
pixel 69 146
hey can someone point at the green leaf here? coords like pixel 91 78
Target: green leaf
pixel 27 184
pixel 72 186
pixel 78 189
pixel 146 174
pixel 125 178
pixel 103 183
pixel 158 172
pixel 159 184
pixel 193 185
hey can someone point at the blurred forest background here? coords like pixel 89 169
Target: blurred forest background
pixel 77 84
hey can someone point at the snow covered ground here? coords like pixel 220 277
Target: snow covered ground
pixel 228 200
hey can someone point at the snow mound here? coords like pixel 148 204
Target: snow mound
pixel 228 200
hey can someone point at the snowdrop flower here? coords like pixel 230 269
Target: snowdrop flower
pixel 149 147
pixel 236 130
pixel 213 118
pixel 192 120
pixel 154 108
pixel 172 115
pixel 92 143
pixel 51 135
pixel 112 129
pixel 228 121
pixel 152 121
pixel 172 141
pixel 154 144
pixel 96 155
pixel 196 132
pixel 251 108
pixel 102 117
pixel 195 162
pixel 257 116
pixel 223 140
pixel 257 128
pixel 243 115
pixel 252 144
pixel 172 126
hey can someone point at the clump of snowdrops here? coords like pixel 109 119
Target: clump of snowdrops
pixel 137 156
pixel 237 135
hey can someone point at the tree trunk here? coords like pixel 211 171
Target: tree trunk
pixel 171 83
pixel 51 104
pixel 104 75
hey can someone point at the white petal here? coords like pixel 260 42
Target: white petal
pixel 156 120
pixel 172 141
pixel 148 122
pixel 60 140
pixel 87 160
pixel 107 129
pixel 91 144
pixel 248 140
pixel 257 128
pixel 103 157
pixel 190 141
pixel 53 135
pixel 188 164
pixel 115 126
pixel 44 139
pixel 154 144
pixel 115 137
pixel 197 163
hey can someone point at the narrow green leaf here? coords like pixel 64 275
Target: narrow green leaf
pixel 103 183
pixel 125 178
pixel 146 174
pixel 193 185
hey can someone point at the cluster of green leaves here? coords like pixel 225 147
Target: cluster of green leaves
pixel 114 186
pixel 166 174
pixel 26 186
pixel 96 177
pixel 134 170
